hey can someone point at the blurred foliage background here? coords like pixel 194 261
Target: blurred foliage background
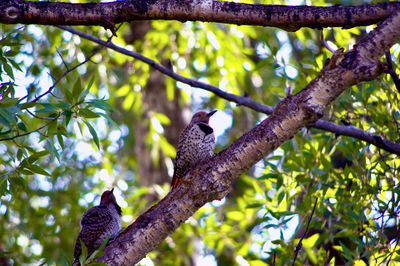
pixel 114 122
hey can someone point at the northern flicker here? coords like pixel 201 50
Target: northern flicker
pixel 98 223
pixel 196 145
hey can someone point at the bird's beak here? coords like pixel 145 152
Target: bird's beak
pixel 112 190
pixel 211 113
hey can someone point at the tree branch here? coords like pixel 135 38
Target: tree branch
pixel 289 18
pixel 350 131
pixel 213 179
pixel 30 132
pixel 299 245
pixel 67 71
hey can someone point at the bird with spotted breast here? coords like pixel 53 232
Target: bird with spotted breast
pixel 196 145
pixel 97 224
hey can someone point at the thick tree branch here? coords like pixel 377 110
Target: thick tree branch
pixel 350 131
pixel 213 179
pixel 290 18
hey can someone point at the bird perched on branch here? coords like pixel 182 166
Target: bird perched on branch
pixel 196 145
pixel 97 224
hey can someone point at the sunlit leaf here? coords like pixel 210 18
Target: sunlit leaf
pixel 37 169
pixel 93 132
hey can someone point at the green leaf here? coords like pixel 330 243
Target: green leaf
pixel 5 131
pixel 3 185
pixel 48 108
pixel 97 252
pixel 167 148
pixel 61 141
pixel 86 113
pixel 68 96
pixel 5 103
pixel 269 226
pixel 67 114
pixel 268 176
pixel 93 132
pixel 109 120
pixel 20 154
pixel 15 65
pixel 164 120
pixel 84 253
pixel 9 70
pixel 103 105
pixel 63 105
pixel 22 126
pixel 26 172
pixel 347 253
pixel 52 127
pixel 280 197
pixel 354 215
pixel 27 105
pixel 254 205
pixel 37 169
pixel 279 182
pixel 19 181
pixel 277 242
pixel 52 149
pixel 33 158
pixel 104 243
pixel 91 82
pixel 274 158
pixel 11 53
pixel 8 118
pixel 77 89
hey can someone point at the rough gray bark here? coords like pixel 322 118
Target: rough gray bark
pixel 290 18
pixel 213 179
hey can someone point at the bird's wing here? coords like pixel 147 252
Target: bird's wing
pixel 97 216
pixel 93 223
pixel 181 165
pixel 181 144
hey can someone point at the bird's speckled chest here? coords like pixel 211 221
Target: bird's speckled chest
pixel 195 145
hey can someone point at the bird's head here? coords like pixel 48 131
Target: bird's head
pixel 107 197
pixel 202 116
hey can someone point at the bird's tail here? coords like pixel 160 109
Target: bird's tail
pixel 174 182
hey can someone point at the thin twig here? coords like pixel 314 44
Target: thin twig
pixel 66 73
pixel 274 258
pixel 325 44
pixel 30 132
pixel 299 245
pixel 352 131
pixel 38 117
pixel 391 71
pixel 397 238
pixel 62 59
pixel 68 70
